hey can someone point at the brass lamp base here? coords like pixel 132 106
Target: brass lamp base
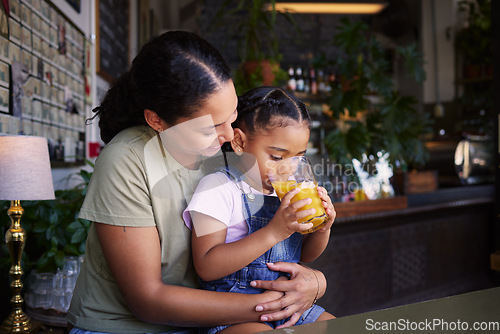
pixel 17 321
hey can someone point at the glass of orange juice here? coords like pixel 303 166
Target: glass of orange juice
pixel 296 172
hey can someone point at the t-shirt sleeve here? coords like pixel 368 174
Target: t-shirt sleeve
pixel 117 193
pixel 213 198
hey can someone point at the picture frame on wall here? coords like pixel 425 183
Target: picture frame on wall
pixel 15 31
pixel 112 38
pixel 4 74
pixel 4 18
pixel 4 99
pixel 4 49
pixel 144 25
pixel 76 4
pixel 41 59
pixel 25 16
pixel 14 9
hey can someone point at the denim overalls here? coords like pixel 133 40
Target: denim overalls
pixel 258 211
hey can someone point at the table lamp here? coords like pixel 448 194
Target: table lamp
pixel 25 174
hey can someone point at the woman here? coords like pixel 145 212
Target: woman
pixel 171 111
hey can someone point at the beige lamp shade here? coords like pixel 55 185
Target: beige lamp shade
pixel 25 172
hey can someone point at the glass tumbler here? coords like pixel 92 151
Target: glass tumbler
pixel 296 172
pixel 43 290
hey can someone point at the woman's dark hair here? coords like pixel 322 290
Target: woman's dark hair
pixel 266 108
pixel 172 75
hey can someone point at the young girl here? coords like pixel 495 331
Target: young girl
pixel 238 223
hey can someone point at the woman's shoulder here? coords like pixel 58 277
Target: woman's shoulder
pixel 131 139
pixel 135 135
pixel 127 149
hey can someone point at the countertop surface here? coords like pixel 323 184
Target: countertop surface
pixel 445 198
pixel 474 312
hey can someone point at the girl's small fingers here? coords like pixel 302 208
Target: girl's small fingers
pixel 297 205
pixel 322 192
pixel 330 211
pixel 289 195
pixel 302 213
pixel 304 227
pixel 326 199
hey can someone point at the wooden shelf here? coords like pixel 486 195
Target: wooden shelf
pixel 463 81
pixel 495 260
pixel 356 208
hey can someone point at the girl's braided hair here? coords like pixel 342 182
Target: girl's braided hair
pixel 265 108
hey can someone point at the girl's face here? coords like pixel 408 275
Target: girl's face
pixel 263 150
pixel 205 132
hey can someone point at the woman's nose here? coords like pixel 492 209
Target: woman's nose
pixel 225 133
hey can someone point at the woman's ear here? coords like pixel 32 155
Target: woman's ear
pixel 154 120
pixel 239 141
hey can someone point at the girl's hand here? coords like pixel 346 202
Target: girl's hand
pixel 300 292
pixel 285 221
pixel 330 210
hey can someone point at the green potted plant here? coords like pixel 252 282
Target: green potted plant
pixel 253 24
pixel 474 40
pixel 375 117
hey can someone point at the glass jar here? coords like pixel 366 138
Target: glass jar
pixel 474 159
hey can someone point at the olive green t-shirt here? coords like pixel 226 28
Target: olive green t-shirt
pixel 136 182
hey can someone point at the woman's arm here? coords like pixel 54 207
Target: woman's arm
pixel 134 258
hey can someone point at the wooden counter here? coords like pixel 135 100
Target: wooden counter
pixel 439 245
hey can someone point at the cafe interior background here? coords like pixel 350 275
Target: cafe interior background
pixel 404 134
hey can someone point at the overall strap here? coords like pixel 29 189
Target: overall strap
pixel 237 177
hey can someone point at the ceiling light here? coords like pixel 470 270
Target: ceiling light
pixel 329 7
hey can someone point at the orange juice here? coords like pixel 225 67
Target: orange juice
pixel 308 189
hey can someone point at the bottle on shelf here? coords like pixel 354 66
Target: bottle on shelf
pixel 292 82
pixel 307 82
pixel 300 79
pixel 331 81
pixel 321 81
pixel 314 82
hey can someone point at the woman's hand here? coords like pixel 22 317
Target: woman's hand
pixel 300 291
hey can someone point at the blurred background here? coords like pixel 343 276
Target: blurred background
pixel 403 87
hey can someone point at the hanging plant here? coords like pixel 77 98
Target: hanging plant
pixel 364 84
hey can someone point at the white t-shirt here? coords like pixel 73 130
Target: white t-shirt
pixel 219 197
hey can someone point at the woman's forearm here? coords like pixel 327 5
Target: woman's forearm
pixel 133 256
pixel 173 305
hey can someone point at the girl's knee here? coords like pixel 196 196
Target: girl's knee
pixel 325 316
